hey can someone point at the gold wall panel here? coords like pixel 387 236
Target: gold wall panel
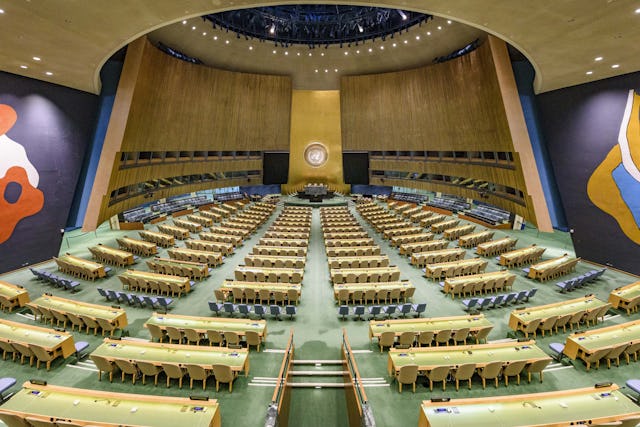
pixel 315 117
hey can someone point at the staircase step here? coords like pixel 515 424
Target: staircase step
pixel 318 362
pixel 319 385
pixel 320 373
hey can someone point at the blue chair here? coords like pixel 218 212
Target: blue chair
pixel 35 273
pixel 140 300
pixel 5 384
pixel 70 285
pixel 343 311
pixel 244 309
pixel 530 293
pixel 259 310
pixel 290 311
pixel 229 308
pixel 565 286
pixel 164 302
pixel 358 310
pixel 107 270
pixel 374 311
pixel 520 297
pixel 112 295
pixel 127 297
pixel 484 303
pixel 526 271
pixel 510 297
pixel 389 310
pixel 151 301
pixel 80 347
pixel 404 309
pixel 558 349
pixel 469 303
pixel 497 300
pixel 634 385
pixel 215 307
pixel 275 311
pixel 104 294
pixel 419 308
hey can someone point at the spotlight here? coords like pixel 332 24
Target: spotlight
pixel 402 15
pixel 360 28
pixel 272 30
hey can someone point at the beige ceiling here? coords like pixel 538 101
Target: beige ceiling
pixel 561 38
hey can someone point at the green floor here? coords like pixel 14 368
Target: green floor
pixel 317 335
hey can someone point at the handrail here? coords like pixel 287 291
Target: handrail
pixel 355 376
pixel 284 372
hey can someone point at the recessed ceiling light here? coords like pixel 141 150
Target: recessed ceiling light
pixel 193 28
pixel 215 37
pixel 1 11
pixel 316 70
pixel 405 42
pixel 615 66
pixel 394 45
pixel 346 53
pixel 226 42
pixel 298 54
pixel 24 67
pixel 322 54
pixel 336 70
pixel 417 37
pixel 588 73
pixel 286 53
pixel 598 58
pixel 448 21
pixel 184 22
pixel 370 50
pixel 357 51
pixel 428 33
pixel 326 71
pixel 636 11
pixel 381 47
pixel 36 58
pixel 250 47
pixel 310 54
pixel 439 27
pixel 48 73
pixel 204 33
pixel 274 51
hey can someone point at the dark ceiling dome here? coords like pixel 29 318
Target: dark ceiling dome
pixel 316 24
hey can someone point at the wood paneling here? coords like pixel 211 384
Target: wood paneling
pixel 183 106
pixel 455 105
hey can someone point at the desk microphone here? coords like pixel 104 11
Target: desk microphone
pixel 37 381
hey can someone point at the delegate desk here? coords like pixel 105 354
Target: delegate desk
pixel 137 246
pixel 421 259
pixel 231 230
pixel 179 354
pixel 493 281
pixel 289 229
pixel 521 256
pixel 147 276
pixel 279 250
pixel 624 296
pixel 228 286
pixel 475 323
pixel 439 227
pixel 433 245
pixel 403 286
pixel 205 245
pixel 204 324
pixel 585 406
pixel 364 275
pixel 275 261
pixel 161 239
pixel 520 318
pixel 433 219
pixel 56 342
pixel 349 242
pixel 204 221
pixel 15 295
pixel 115 316
pixel 411 238
pixel 251 274
pixel 337 251
pixel 345 235
pixel 175 267
pixel 403 231
pixel 474 239
pixel 455 232
pixel 221 237
pixel 358 261
pixel 113 255
pixel 92 270
pixel 455 268
pixel 295 243
pixel 211 215
pixel 495 247
pixel 286 235
pixel 428 358
pixel 212 259
pixel 77 406
pixel 177 232
pixel 552 268
pixel 580 345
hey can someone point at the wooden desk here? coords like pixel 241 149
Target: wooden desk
pixel 402 231
pixel 216 217
pixel 349 242
pixel 177 232
pixel 328 235
pixel 228 285
pixel 286 235
pixel 439 227
pixel 56 342
pixel 161 239
pixel 377 286
pixel 579 345
pixel 448 269
pixel 432 324
pixel 455 232
pixel 431 245
pixel 194 227
pixel 495 247
pixel 393 272
pixel 451 283
pixel 253 272
pixel 213 259
pixel 421 259
pixel 137 246
pixel 16 295
pixel 221 237
pixel 84 406
pixel 222 212
pixel 205 245
pixel 411 238
pixel 586 406
pixel 369 261
pixel 622 297
pixel 532 253
pixel 474 239
pixel 543 270
pixel 519 319
pixel 279 250
pixel 289 229
pixel 272 260
pixel 204 324
pixel 174 267
pixel 335 251
pixel 115 316
pixel 223 229
pixel 105 253
pixel 158 353
pixel 202 220
pixel 92 270
pixel 300 243
pixel 428 358
pixel 183 282
pixel 433 219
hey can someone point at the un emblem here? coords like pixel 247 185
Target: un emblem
pixel 316 154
